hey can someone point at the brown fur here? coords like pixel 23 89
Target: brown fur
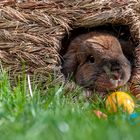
pixel 95 60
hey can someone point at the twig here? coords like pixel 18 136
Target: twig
pixel 30 88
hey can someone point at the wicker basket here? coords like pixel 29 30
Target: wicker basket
pixel 31 31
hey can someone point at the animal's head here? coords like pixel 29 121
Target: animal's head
pixel 96 61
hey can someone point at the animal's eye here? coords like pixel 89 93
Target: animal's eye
pixel 90 59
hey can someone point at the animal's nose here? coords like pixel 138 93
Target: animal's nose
pixel 115 66
pixel 113 69
pixel 116 75
pixel 116 71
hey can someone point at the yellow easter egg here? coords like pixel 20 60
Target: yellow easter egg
pixel 119 100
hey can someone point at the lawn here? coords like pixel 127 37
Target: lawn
pixel 33 113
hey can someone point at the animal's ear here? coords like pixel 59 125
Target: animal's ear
pixel 69 64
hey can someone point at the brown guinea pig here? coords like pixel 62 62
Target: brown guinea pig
pixel 96 61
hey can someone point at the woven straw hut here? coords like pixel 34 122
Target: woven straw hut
pixel 31 31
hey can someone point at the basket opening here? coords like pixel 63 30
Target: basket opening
pixel 122 32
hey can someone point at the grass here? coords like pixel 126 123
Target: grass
pixel 49 115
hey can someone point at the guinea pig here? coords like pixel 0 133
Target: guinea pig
pixel 96 62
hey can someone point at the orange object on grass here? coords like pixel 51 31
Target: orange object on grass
pixel 121 100
pixel 100 114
